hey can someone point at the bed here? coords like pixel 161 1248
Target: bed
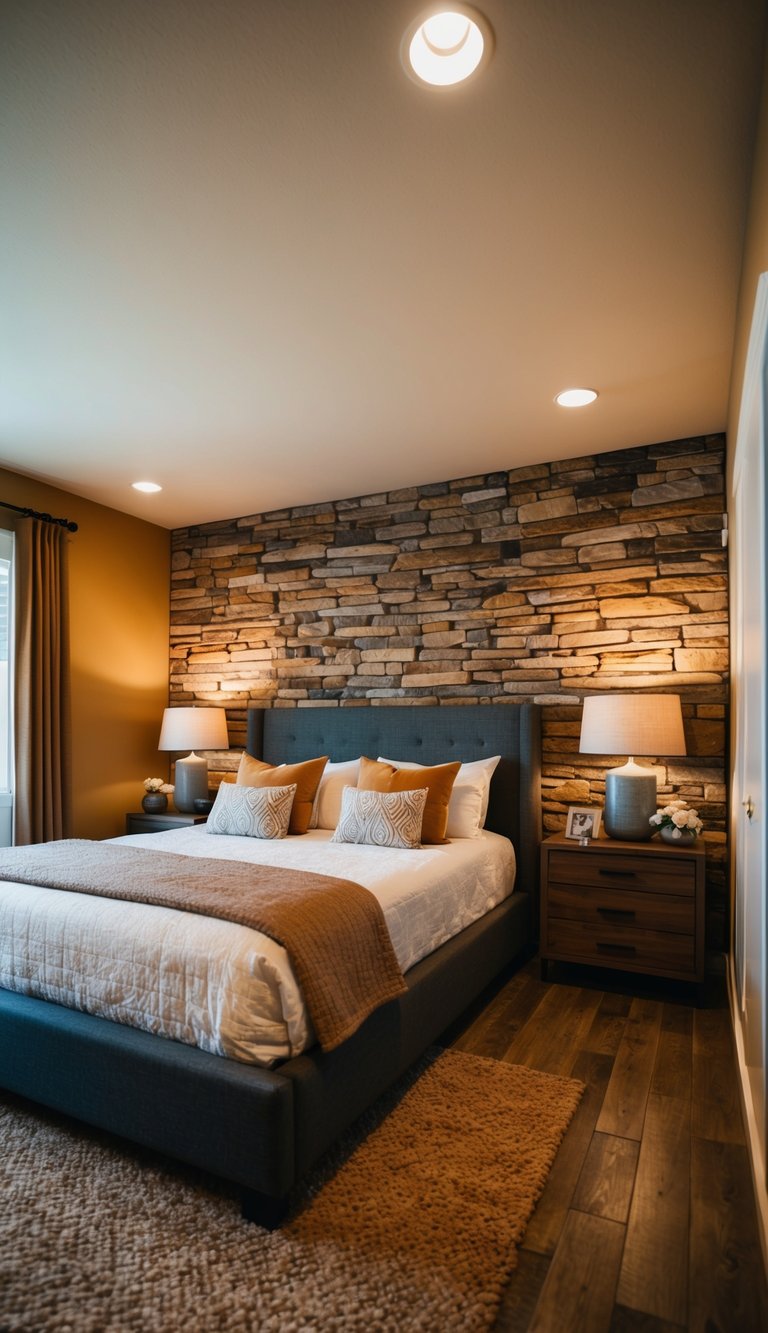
pixel 264 1128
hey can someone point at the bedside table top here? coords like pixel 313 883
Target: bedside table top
pixel 653 847
pixel 167 816
pixel 159 821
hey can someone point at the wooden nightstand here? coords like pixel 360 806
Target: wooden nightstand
pixel 141 822
pixel 636 906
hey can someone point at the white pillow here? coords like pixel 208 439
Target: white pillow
pixel 251 812
pixel 381 818
pixel 326 810
pixel 468 805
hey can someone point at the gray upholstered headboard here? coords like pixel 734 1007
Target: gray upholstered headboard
pixel 426 735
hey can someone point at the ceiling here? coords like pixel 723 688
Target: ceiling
pixel 244 256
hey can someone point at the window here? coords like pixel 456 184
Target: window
pixel 6 688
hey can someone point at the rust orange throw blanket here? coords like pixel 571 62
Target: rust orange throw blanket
pixel 332 929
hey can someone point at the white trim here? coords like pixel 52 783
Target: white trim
pixel 754 1144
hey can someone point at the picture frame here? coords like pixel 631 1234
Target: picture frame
pixel 583 821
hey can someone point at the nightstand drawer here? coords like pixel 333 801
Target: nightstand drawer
pixel 658 874
pixel 654 950
pixel 601 905
pixel 631 907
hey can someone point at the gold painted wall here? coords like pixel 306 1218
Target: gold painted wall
pixel 119 592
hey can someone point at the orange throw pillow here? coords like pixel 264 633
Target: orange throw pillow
pixel 255 773
pixel 375 776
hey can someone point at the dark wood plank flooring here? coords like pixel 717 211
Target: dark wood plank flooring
pixel 648 1217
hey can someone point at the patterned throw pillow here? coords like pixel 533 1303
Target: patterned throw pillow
pixel 251 812
pixel 381 818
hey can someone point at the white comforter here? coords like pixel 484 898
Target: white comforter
pixel 215 984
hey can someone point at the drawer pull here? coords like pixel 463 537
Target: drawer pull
pixel 617 913
pixel 622 950
pixel 618 874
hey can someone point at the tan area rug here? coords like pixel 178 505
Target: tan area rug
pixel 412 1224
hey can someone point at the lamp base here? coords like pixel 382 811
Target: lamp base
pixel 191 782
pixel 630 800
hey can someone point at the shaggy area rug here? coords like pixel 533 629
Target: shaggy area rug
pixel 412 1224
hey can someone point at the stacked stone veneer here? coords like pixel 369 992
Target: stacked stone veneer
pixel 544 583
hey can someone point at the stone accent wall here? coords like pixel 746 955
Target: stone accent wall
pixel 544 582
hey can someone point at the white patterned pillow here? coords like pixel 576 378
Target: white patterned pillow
pixel 381 818
pixel 251 812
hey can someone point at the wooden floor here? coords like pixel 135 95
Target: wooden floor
pixel 648 1219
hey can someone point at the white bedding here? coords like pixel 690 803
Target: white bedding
pixel 215 984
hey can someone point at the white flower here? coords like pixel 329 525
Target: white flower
pixel 678 817
pixel 157 784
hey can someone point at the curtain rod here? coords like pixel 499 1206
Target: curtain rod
pixel 45 518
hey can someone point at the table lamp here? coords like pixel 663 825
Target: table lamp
pixel 631 724
pixel 192 729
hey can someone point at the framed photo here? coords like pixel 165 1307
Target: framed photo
pixel 582 822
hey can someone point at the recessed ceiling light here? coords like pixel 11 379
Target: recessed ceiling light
pixel 445 46
pixel 148 486
pixel 576 397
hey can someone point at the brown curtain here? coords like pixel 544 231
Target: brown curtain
pixel 42 726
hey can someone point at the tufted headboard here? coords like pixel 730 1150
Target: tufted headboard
pixel 426 735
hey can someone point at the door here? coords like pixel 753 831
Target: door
pixel 748 815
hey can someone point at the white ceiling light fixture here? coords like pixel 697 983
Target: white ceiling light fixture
pixel 148 487
pixel 576 397
pixel 446 45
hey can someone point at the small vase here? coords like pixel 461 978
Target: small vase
pixel 678 837
pixel 155 802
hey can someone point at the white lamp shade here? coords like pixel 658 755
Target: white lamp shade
pixel 644 724
pixel 194 729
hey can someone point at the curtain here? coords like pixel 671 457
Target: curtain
pixel 42 802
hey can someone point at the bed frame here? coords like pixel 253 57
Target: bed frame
pixel 261 1128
